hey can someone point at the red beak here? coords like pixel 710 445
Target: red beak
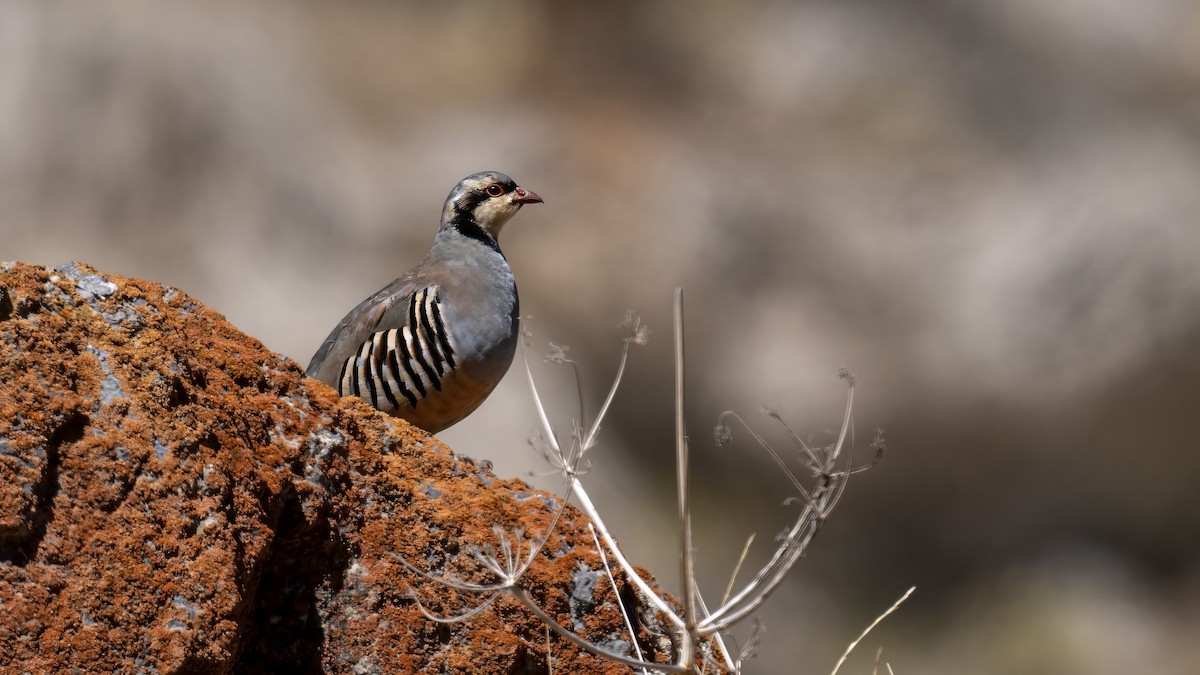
pixel 523 196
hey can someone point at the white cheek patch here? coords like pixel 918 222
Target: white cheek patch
pixel 493 213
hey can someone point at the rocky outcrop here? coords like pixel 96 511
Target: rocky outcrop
pixel 174 497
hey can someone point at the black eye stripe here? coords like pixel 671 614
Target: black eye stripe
pixel 468 203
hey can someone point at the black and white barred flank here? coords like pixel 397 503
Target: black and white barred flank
pixel 406 362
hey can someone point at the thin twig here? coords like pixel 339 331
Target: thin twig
pixel 767 446
pixel 793 545
pixel 812 455
pixel 737 568
pixel 589 508
pixel 456 618
pixel 590 439
pixel 551 439
pixel 874 623
pixel 616 593
pixel 720 639
pixel 579 392
pixel 687 561
pixel 648 593
pixel 521 596
pixel 751 644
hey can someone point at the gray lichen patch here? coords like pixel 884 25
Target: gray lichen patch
pixel 582 597
pixel 110 386
pixel 22 460
pixel 90 286
pixel 127 314
pixel 429 490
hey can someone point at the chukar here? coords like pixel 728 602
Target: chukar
pixel 430 346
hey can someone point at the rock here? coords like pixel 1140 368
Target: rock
pixel 174 497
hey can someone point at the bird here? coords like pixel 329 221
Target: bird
pixel 432 345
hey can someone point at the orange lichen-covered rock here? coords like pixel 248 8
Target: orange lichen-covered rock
pixel 174 497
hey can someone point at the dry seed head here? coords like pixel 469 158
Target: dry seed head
pixel 722 434
pixel 639 333
pixel 558 354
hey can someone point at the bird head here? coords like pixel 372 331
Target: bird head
pixel 487 199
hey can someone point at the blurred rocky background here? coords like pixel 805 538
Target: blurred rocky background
pixel 988 211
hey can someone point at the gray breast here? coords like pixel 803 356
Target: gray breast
pixel 481 306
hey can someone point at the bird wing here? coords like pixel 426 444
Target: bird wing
pixel 392 350
pixel 376 312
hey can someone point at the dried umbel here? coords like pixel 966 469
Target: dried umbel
pixel 699 635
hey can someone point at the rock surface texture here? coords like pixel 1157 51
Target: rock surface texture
pixel 175 498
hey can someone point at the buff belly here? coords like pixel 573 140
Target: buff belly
pixel 460 395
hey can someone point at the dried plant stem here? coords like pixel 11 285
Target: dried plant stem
pixel 682 464
pixel 616 593
pixel 720 639
pixel 537 402
pixel 881 617
pixel 696 633
pixel 521 596
pixel 821 500
pixel 648 593
pixel 737 568
pixel 590 439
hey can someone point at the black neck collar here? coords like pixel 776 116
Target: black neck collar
pixel 467 227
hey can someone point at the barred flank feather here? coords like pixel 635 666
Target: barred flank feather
pixel 409 361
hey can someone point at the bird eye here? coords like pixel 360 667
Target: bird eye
pixel 495 190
